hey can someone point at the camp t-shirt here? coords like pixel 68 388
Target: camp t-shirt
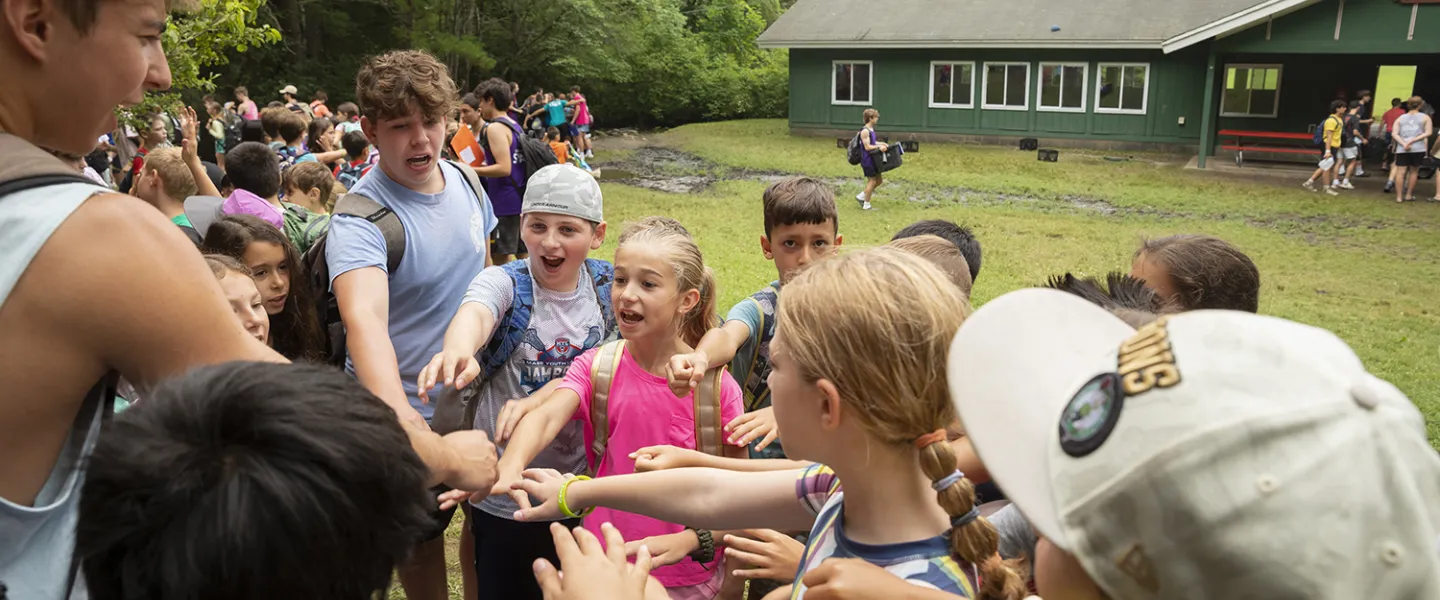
pixel 562 326
pixel 446 238
pixel 926 563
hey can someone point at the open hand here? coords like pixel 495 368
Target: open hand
pixel 759 424
pixel 685 371
pixel 666 549
pixel 660 458
pixel 592 572
pixel 544 485
pixel 454 369
pixel 189 134
pixel 771 554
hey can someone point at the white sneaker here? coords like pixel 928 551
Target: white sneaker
pixel 1309 185
pixel 1331 191
pixel 866 206
pixel 860 197
pixel 1345 185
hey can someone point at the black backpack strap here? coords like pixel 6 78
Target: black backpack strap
pixel 16 186
pixel 386 220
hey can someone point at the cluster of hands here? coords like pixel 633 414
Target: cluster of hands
pixel 590 571
pixel 684 373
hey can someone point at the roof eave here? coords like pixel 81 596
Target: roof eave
pixel 1233 23
pixel 927 44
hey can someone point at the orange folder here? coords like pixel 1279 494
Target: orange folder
pixel 467 148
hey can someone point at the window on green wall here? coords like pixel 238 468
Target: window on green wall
pixel 952 85
pixel 1122 88
pixel 850 82
pixel 1062 86
pixel 1007 86
pixel 1251 91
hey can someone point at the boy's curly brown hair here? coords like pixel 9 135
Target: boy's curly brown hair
pixel 391 85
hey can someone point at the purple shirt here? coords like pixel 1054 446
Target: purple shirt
pixel 866 160
pixel 507 192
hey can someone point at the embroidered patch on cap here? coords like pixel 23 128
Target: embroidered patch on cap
pixel 1091 415
pixel 1145 360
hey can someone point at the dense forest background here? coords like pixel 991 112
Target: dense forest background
pixel 641 62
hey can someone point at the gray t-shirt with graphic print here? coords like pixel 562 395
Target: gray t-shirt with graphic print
pixel 562 326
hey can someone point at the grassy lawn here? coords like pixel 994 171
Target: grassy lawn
pixel 1359 265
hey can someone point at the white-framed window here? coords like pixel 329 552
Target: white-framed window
pixel 1251 91
pixel 1007 86
pixel 1123 88
pixel 850 82
pixel 1061 86
pixel 952 84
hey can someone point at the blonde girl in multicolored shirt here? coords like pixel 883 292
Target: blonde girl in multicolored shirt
pixel 859 386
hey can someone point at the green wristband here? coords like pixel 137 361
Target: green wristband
pixel 565 508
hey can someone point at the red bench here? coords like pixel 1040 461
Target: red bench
pixel 1264 141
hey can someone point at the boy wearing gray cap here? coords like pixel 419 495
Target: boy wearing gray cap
pixel 515 334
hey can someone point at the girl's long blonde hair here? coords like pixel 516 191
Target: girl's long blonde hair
pixel 690 270
pixel 877 324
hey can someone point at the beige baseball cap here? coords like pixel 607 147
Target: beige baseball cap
pixel 1211 454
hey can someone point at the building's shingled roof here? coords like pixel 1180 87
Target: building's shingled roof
pixel 996 23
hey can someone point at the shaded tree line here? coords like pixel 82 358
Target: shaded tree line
pixel 641 62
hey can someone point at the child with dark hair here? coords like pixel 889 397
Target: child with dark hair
pixel 504 169
pixel 322 143
pixel 357 159
pixel 317 106
pixel 275 266
pixel 1191 272
pixel 223 471
pixel 802 225
pixel 270 119
pixel 1332 134
pixel 942 254
pixel 962 237
pixel 349 118
pixel 1123 295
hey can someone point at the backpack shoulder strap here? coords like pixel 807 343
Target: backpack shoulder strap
pixel 26 167
pixel 602 274
pixel 471 178
pixel 510 327
pixel 709 432
pixel 602 374
pixel 356 205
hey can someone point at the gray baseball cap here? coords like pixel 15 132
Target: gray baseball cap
pixel 564 190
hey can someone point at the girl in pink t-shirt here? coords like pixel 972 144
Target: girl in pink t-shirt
pixel 664 300
pixel 859 385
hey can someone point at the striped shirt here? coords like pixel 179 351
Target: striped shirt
pixel 926 563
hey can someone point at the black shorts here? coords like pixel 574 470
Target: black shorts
pixel 870 171
pixel 504 552
pixel 441 517
pixel 507 236
pixel 1409 159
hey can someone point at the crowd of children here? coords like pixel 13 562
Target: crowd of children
pixel 1403 138
pixel 870 436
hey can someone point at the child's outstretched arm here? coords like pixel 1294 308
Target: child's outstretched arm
pixel 532 434
pixel 718 347
pixel 455 365
pixel 661 458
pixel 704 498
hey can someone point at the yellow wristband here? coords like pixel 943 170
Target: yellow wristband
pixel 565 508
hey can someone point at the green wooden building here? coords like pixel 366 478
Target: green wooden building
pixel 1165 74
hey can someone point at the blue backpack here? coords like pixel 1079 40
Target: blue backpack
pixel 516 321
pixel 1320 131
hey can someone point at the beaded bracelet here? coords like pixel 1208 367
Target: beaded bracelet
pixel 565 508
